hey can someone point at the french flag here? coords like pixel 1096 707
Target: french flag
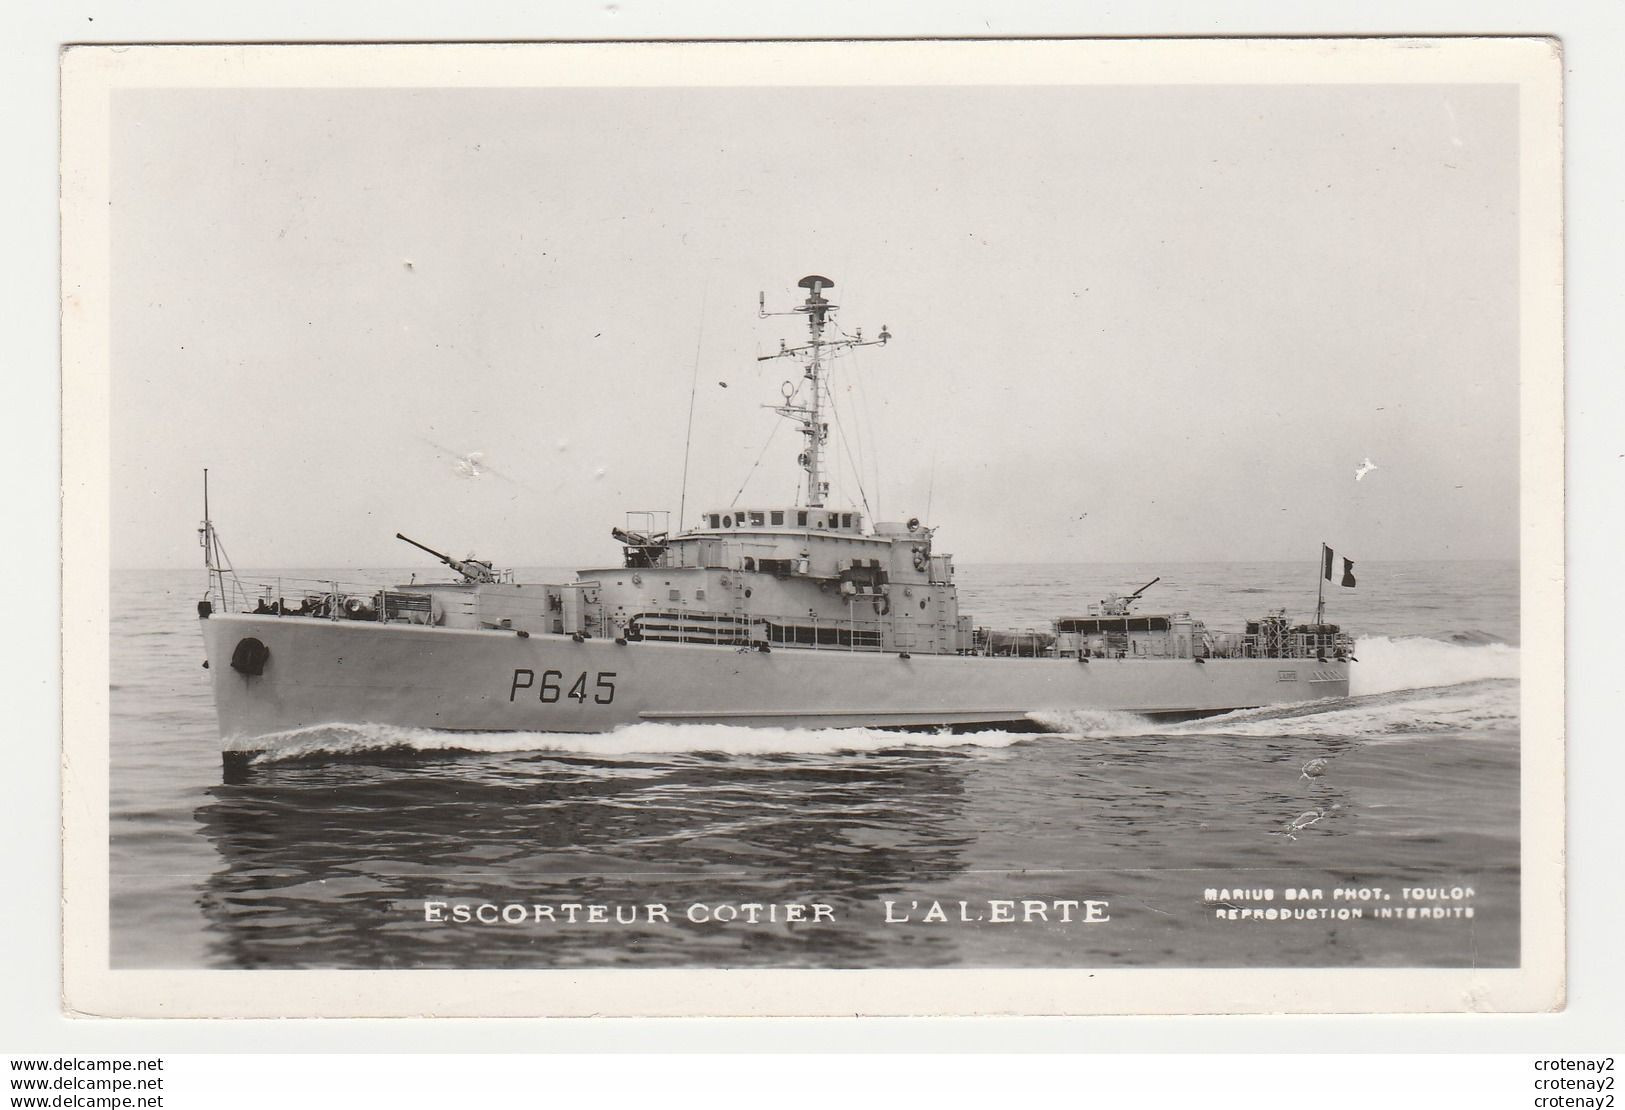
pixel 1329 560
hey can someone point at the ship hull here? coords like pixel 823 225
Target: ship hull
pixel 317 671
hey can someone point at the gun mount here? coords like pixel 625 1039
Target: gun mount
pixel 1120 605
pixel 643 549
pixel 472 569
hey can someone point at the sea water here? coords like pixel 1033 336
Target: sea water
pixel 1214 843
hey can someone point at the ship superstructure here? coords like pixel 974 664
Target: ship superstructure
pixel 802 613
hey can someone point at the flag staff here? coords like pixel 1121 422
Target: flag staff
pixel 1320 592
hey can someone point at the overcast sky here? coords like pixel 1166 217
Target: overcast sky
pixel 1131 324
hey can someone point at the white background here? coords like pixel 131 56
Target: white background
pixel 1593 42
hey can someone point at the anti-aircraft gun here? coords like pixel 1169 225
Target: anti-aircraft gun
pixel 643 549
pixel 472 569
pixel 1119 606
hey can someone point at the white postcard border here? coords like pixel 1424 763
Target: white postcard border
pixel 91 987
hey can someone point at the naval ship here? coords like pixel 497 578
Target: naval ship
pixel 770 614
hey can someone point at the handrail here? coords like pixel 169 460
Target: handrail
pixel 775 629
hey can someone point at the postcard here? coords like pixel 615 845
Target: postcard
pixel 810 528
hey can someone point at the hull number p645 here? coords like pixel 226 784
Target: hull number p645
pixel 551 686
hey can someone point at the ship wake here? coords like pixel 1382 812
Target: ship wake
pixel 377 741
pixel 1486 707
pixel 1418 662
pixel 1400 686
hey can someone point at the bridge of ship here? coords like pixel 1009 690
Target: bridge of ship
pixel 791 576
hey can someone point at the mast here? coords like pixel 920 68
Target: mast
pixel 206 537
pixel 215 561
pixel 809 413
pixel 813 428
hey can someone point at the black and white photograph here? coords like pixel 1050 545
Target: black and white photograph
pixel 1005 520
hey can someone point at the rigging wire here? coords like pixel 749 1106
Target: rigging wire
pixel 754 465
pixel 863 428
pixel 693 391
pixel 931 485
pixel 846 442
pixel 859 420
pixel 866 428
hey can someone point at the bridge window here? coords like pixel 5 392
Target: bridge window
pixel 801 519
pixel 757 520
pixel 778 517
pixel 715 520
pixel 846 520
pixel 750 564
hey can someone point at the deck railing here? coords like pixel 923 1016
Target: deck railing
pixel 754 629
pixel 333 599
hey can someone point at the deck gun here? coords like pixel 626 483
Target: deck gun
pixel 1119 606
pixel 472 569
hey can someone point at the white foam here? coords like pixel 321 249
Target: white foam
pixel 1094 722
pixel 638 739
pixel 1486 707
pixel 1417 663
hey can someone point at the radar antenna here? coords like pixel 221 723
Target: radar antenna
pixel 809 414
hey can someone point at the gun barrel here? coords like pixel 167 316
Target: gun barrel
pixel 1147 586
pixel 422 547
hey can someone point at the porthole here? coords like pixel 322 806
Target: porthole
pixel 637 580
pixel 922 603
pixel 747 591
pixel 727 522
